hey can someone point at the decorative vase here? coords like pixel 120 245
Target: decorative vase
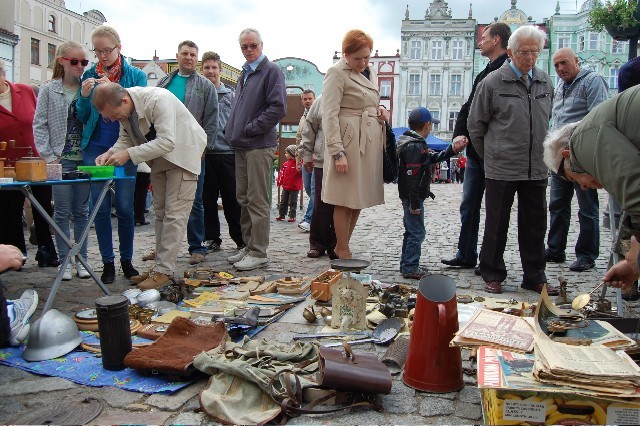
pixel 622 34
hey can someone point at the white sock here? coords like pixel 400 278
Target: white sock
pixel 10 311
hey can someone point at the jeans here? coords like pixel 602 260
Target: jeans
pixel 310 189
pixel 72 201
pixel 414 233
pixel 124 190
pixel 472 193
pixel 588 244
pixel 195 226
pixel 141 196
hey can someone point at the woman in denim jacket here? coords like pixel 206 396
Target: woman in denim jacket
pixel 97 137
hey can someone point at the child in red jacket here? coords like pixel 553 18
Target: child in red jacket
pixel 290 179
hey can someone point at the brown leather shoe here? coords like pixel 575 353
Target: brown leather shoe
pixel 137 279
pixel 313 253
pixel 155 280
pixel 493 287
pixel 196 258
pixel 551 290
pixel 150 256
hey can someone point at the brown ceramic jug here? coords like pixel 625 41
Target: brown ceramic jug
pixel 433 366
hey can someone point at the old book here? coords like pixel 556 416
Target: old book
pixel 496 329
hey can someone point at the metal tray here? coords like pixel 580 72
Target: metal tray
pixel 349 265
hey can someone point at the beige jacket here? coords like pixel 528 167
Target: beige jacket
pixel 179 138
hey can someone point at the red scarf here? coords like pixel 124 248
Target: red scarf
pixel 114 72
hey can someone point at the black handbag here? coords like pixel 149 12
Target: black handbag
pixel 389 158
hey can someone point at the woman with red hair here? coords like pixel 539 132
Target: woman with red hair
pixel 355 135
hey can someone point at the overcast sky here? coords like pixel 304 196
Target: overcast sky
pixel 309 30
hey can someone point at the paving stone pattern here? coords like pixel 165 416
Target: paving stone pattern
pixel 377 237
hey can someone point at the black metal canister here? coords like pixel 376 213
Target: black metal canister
pixel 115 330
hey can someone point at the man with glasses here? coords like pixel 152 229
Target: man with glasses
pixel 577 93
pixel 198 94
pixel 258 106
pixel 508 121
pixel 492 45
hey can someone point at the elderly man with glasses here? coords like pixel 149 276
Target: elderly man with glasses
pixel 508 121
pixel 259 104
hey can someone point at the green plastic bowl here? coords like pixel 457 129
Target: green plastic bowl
pixel 98 171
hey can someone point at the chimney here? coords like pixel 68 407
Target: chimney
pixel 155 56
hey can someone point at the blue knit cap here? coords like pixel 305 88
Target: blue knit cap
pixel 629 74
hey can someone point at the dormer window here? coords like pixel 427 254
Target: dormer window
pixel 52 23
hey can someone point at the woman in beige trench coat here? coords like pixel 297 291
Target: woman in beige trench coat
pixel 353 125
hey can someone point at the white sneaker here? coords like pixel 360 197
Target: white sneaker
pixel 239 255
pixel 82 271
pixel 249 262
pixel 66 276
pixel 23 310
pixel 305 226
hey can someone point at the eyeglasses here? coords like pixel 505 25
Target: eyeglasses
pixel 75 61
pixel 533 53
pixel 106 51
pixel 252 46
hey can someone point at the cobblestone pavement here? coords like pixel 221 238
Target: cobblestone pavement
pixel 377 237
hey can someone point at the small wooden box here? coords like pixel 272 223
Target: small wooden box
pixel 31 169
pixel 321 285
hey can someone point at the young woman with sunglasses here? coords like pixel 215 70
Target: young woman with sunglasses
pixel 98 136
pixel 58 133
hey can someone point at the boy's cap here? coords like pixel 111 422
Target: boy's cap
pixel 422 115
pixel 291 150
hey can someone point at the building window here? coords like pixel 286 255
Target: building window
pixel 613 78
pixel 51 55
pixel 581 43
pixel 563 41
pixel 152 76
pixel 385 89
pixel 35 51
pixel 310 87
pixel 414 84
pixel 592 65
pixel 436 49
pixel 416 50
pixel 593 41
pixel 435 85
pixel 52 23
pixel 617 47
pixel 435 115
pixel 457 49
pixel 453 116
pixel 288 128
pixel 456 85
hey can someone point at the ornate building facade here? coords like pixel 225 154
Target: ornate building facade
pixel 436 65
pixel 32 30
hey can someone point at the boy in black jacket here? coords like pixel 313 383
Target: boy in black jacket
pixel 414 178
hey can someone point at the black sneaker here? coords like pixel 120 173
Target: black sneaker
pixel 108 273
pixel 417 274
pixel 213 246
pixel 459 263
pixel 582 264
pixel 127 269
pixel 552 258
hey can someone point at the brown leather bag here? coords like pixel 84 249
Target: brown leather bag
pixel 346 371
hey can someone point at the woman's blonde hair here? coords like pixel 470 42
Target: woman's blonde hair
pixel 106 31
pixel 63 51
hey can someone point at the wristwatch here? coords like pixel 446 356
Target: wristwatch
pixel 338 155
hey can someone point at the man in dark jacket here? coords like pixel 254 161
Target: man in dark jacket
pixel 493 45
pixel 414 178
pixel 259 104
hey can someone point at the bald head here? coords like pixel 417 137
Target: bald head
pixel 565 61
pixel 112 101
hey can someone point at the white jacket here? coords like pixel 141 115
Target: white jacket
pixel 179 137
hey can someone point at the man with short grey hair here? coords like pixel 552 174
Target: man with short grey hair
pixel 508 121
pixel 259 104
pixel 577 93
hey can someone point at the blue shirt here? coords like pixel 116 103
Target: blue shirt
pixel 250 68
pixel 178 86
pixel 519 73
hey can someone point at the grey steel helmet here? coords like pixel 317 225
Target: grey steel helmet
pixel 53 335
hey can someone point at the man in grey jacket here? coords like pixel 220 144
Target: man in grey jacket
pixel 322 236
pixel 259 104
pixel 508 121
pixel 220 165
pixel 577 93
pixel 198 94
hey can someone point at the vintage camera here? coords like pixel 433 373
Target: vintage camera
pixel 75 174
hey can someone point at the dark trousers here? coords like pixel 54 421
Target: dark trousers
pixel 588 244
pixel 322 236
pixel 220 179
pixel 140 196
pixel 472 194
pixel 532 227
pixel 12 203
pixel 288 199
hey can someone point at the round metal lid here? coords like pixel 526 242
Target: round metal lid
pixel 87 314
pixel 348 265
